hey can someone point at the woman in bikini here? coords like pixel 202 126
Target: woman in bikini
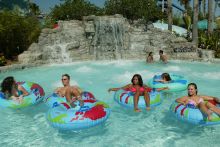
pixel 194 100
pixel 13 91
pixel 139 89
pixel 72 93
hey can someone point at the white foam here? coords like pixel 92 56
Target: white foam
pixel 85 69
pixel 125 78
pixel 207 75
pixel 59 84
pixel 171 68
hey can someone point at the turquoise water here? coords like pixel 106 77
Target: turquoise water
pixel 124 127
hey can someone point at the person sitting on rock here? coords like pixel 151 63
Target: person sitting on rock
pixel 72 93
pixel 13 91
pixel 163 57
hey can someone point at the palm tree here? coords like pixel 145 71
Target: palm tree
pixel 195 21
pixel 169 12
pixel 204 8
pixel 186 4
pixel 210 16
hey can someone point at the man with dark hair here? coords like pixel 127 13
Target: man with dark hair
pixel 163 57
pixel 72 93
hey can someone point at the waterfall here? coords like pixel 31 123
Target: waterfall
pixel 58 54
pixel 109 38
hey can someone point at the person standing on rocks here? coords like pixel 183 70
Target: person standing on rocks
pixel 163 57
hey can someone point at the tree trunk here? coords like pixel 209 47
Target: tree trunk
pixel 210 16
pixel 195 21
pixel 170 19
pixel 204 8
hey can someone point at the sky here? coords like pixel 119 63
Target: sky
pixel 45 5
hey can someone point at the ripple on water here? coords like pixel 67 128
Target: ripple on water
pixel 124 127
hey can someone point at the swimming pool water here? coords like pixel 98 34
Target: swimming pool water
pixel 124 127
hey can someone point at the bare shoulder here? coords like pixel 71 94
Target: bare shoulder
pixel 183 97
pixel 59 89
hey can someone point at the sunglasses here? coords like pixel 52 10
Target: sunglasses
pixel 63 79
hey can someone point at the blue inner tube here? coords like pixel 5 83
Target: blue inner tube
pixel 63 117
pixel 126 99
pixel 178 83
pixel 192 115
pixel 36 95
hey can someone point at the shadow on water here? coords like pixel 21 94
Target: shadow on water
pixel 181 127
pixel 84 134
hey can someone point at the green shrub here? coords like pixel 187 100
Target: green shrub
pixel 17 32
pixel 211 42
pixel 2 60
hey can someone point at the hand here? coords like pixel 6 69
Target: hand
pixel 20 98
pixel 110 89
pixel 216 99
pixel 166 88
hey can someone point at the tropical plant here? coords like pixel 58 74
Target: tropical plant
pixel 34 9
pixel 74 9
pixel 132 10
pixel 17 32
pixel 211 41
pixel 2 60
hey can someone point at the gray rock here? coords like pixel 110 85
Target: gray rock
pixel 105 38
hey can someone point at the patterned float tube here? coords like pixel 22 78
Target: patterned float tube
pixel 178 83
pixel 193 115
pixel 63 117
pixel 36 95
pixel 126 99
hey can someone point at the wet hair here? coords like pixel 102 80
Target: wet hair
pixel 166 76
pixel 7 84
pixel 66 75
pixel 194 85
pixel 140 81
pixel 150 54
pixel 161 51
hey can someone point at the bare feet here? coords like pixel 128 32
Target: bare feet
pixel 148 108
pixel 137 110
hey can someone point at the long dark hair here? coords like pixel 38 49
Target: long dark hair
pixel 194 85
pixel 150 54
pixel 166 76
pixel 7 85
pixel 140 81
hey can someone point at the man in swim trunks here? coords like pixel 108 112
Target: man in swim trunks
pixel 163 57
pixel 72 93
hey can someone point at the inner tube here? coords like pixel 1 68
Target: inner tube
pixel 36 95
pixel 63 117
pixel 193 115
pixel 178 83
pixel 126 99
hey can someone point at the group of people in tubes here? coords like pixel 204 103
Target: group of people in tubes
pixel 73 93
